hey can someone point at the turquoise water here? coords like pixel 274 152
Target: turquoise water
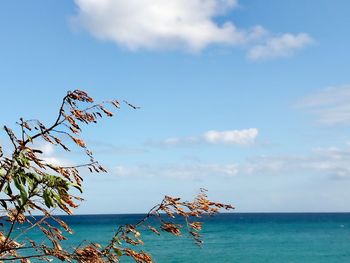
pixel 236 237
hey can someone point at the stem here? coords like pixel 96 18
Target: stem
pixel 19 210
pixel 56 123
pixel 24 257
pixel 11 229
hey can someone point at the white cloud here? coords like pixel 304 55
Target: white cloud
pixel 154 24
pixel 229 137
pixel 282 46
pixel 50 155
pixel 331 105
pixel 247 136
pixel 47 148
pixel 188 25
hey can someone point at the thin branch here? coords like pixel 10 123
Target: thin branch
pixel 56 123
pixel 74 166
pixel 31 227
pixel 24 257
pixel 11 136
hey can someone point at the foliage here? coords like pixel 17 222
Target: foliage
pixel 29 185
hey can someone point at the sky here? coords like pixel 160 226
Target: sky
pixel 249 99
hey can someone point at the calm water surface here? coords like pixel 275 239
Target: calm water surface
pixel 237 237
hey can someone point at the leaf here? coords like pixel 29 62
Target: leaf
pixel 107 112
pixel 8 189
pixel 116 103
pixel 79 142
pixel 57 198
pixel 3 204
pixel 21 188
pixel 24 160
pixel 47 198
pixel 56 244
pixel 24 196
pixel 154 230
pixel 26 125
pixel 34 177
pixel 77 187
pixel 118 251
pixel 97 245
pixel 132 106
pixel 116 239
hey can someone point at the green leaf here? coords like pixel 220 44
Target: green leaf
pixel 48 199
pixel 8 189
pixel 33 177
pixel 118 251
pixel 77 187
pixel 24 160
pixel 116 239
pixel 24 179
pixel 57 198
pixel 24 196
pixel 30 184
pixel 21 188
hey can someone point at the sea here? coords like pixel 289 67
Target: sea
pixel 234 237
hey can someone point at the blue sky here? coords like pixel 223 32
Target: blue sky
pixel 249 99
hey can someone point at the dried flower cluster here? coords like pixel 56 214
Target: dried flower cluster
pixel 30 185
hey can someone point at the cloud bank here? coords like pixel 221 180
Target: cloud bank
pixel 179 25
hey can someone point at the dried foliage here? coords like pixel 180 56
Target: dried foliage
pixel 30 185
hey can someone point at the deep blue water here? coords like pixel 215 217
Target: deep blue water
pixel 236 237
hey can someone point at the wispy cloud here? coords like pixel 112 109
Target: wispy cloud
pixel 228 137
pixel 332 161
pixel 331 106
pixel 181 25
pixel 282 46
pixel 187 171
